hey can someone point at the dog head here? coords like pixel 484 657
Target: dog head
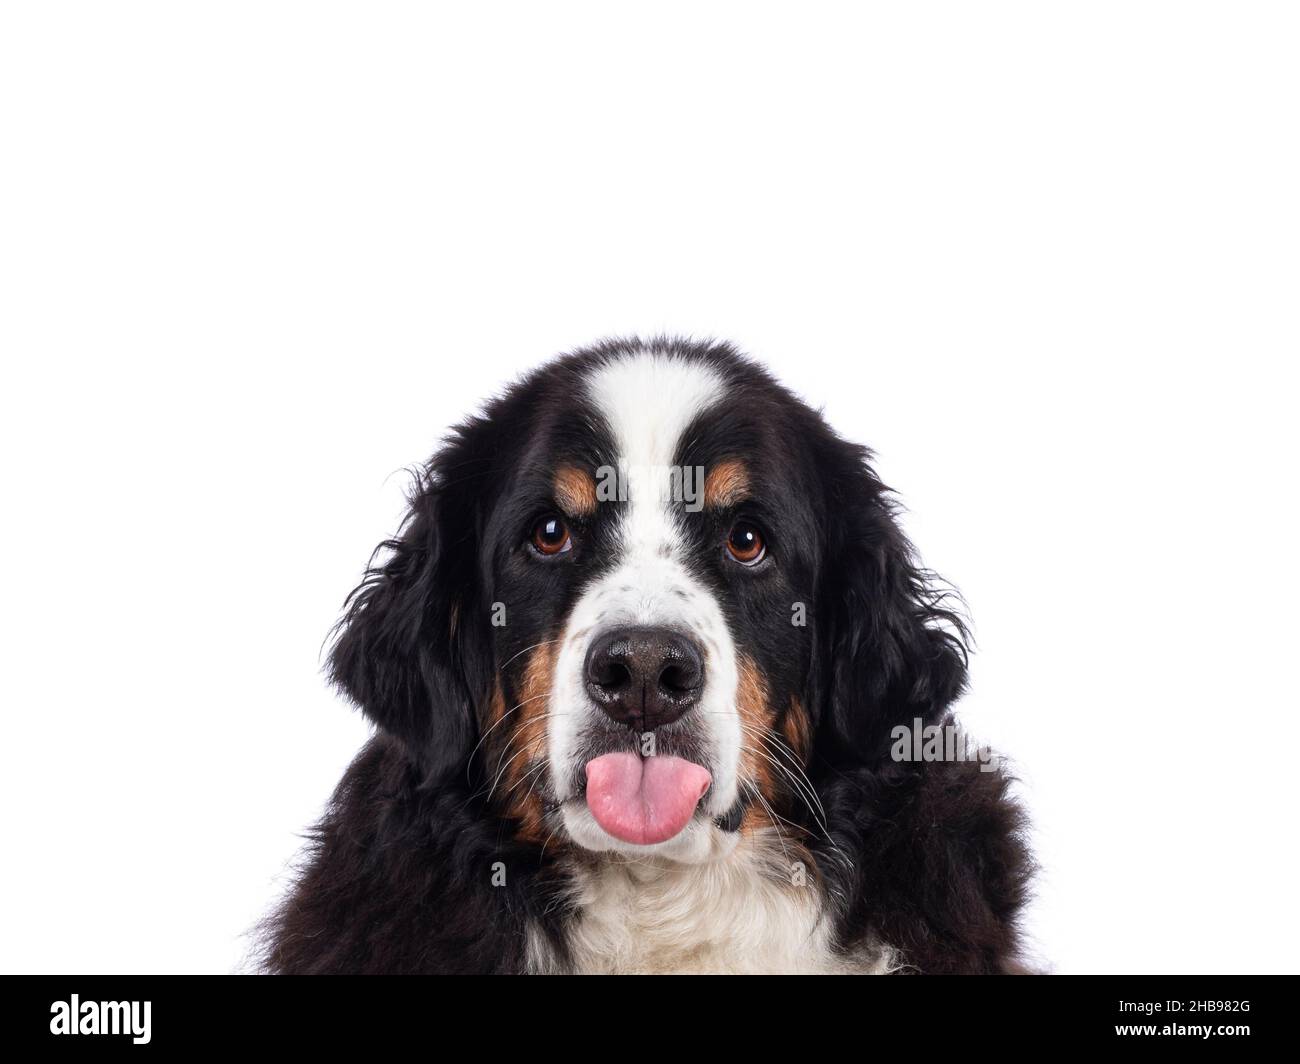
pixel 641 601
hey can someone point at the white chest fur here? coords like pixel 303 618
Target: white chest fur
pixel 745 914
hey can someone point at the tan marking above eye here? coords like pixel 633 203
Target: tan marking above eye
pixel 575 491
pixel 726 484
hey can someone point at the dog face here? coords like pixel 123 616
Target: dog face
pixel 641 602
pixel 676 663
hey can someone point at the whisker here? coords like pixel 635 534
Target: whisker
pixel 559 823
pixel 797 768
pixel 801 782
pixel 514 757
pixel 780 835
pixel 483 737
pixel 543 643
pixel 500 769
pixel 544 763
pixel 531 773
pixel 795 763
pixel 795 782
pixel 820 821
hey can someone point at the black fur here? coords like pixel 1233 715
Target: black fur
pixel 926 857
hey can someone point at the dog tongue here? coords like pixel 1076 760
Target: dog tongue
pixel 644 801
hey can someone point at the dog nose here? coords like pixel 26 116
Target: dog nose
pixel 645 677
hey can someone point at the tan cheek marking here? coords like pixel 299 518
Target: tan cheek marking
pixel 759 718
pixel 756 719
pixel 726 484
pixel 575 491
pixel 795 730
pixel 526 730
pixel 496 709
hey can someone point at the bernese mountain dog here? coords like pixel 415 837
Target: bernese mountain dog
pixel 638 661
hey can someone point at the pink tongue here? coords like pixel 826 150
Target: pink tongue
pixel 644 801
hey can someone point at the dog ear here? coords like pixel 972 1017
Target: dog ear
pixel 410 650
pixel 894 648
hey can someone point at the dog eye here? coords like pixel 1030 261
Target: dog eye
pixel 745 543
pixel 551 536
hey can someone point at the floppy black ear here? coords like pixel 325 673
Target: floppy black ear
pixel 894 649
pixel 409 648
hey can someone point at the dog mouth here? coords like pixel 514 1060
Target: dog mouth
pixel 644 801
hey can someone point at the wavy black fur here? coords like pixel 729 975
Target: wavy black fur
pixel 929 858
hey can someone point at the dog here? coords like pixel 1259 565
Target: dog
pixel 638 660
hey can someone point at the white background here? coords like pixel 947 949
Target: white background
pixel 257 257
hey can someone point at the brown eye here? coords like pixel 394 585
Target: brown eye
pixel 551 536
pixel 745 543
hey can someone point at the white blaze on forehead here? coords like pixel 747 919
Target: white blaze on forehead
pixel 649 401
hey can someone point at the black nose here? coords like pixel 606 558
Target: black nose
pixel 645 677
